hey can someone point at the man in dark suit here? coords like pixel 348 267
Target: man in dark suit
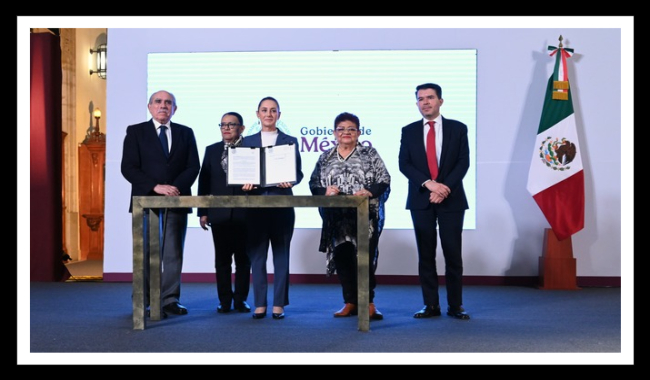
pixel 436 200
pixel 170 171
pixel 228 225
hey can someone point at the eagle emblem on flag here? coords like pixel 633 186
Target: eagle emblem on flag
pixel 557 153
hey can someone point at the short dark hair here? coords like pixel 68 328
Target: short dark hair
pixel 235 114
pixel 346 116
pixel 268 98
pixel 432 86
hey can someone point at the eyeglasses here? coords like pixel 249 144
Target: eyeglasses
pixel 229 125
pixel 350 130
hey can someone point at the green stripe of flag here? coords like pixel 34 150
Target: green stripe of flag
pixel 554 111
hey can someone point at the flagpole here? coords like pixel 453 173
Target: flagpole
pixel 556 177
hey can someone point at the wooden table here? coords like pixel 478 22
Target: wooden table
pixel 145 205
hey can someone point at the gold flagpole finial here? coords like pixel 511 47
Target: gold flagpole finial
pixel 560 41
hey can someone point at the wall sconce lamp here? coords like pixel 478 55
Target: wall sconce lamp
pixel 97 114
pixel 94 135
pixel 101 61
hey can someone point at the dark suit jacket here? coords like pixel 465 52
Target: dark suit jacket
pixel 454 162
pixel 144 164
pixel 213 181
pixel 256 141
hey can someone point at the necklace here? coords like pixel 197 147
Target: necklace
pixel 341 158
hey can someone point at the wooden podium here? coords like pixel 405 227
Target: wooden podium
pixel 92 158
pixel 557 266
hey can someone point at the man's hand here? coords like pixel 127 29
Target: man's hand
pixel 439 191
pixel 167 190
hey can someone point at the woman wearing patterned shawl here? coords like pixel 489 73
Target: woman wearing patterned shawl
pixel 350 168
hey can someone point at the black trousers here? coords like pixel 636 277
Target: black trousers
pixel 172 227
pixel 345 260
pixel 230 242
pixel 450 227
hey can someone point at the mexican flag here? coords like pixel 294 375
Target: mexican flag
pixel 556 177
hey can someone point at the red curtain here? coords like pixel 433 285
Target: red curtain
pixel 46 231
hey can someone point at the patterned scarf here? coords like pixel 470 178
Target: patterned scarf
pixel 224 155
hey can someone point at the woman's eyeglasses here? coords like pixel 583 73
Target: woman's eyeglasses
pixel 350 130
pixel 229 125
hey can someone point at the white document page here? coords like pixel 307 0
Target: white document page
pixel 279 164
pixel 244 166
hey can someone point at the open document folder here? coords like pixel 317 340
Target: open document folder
pixel 266 166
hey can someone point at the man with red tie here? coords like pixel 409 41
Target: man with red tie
pixel 435 164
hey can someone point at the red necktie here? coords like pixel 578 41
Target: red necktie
pixel 431 151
